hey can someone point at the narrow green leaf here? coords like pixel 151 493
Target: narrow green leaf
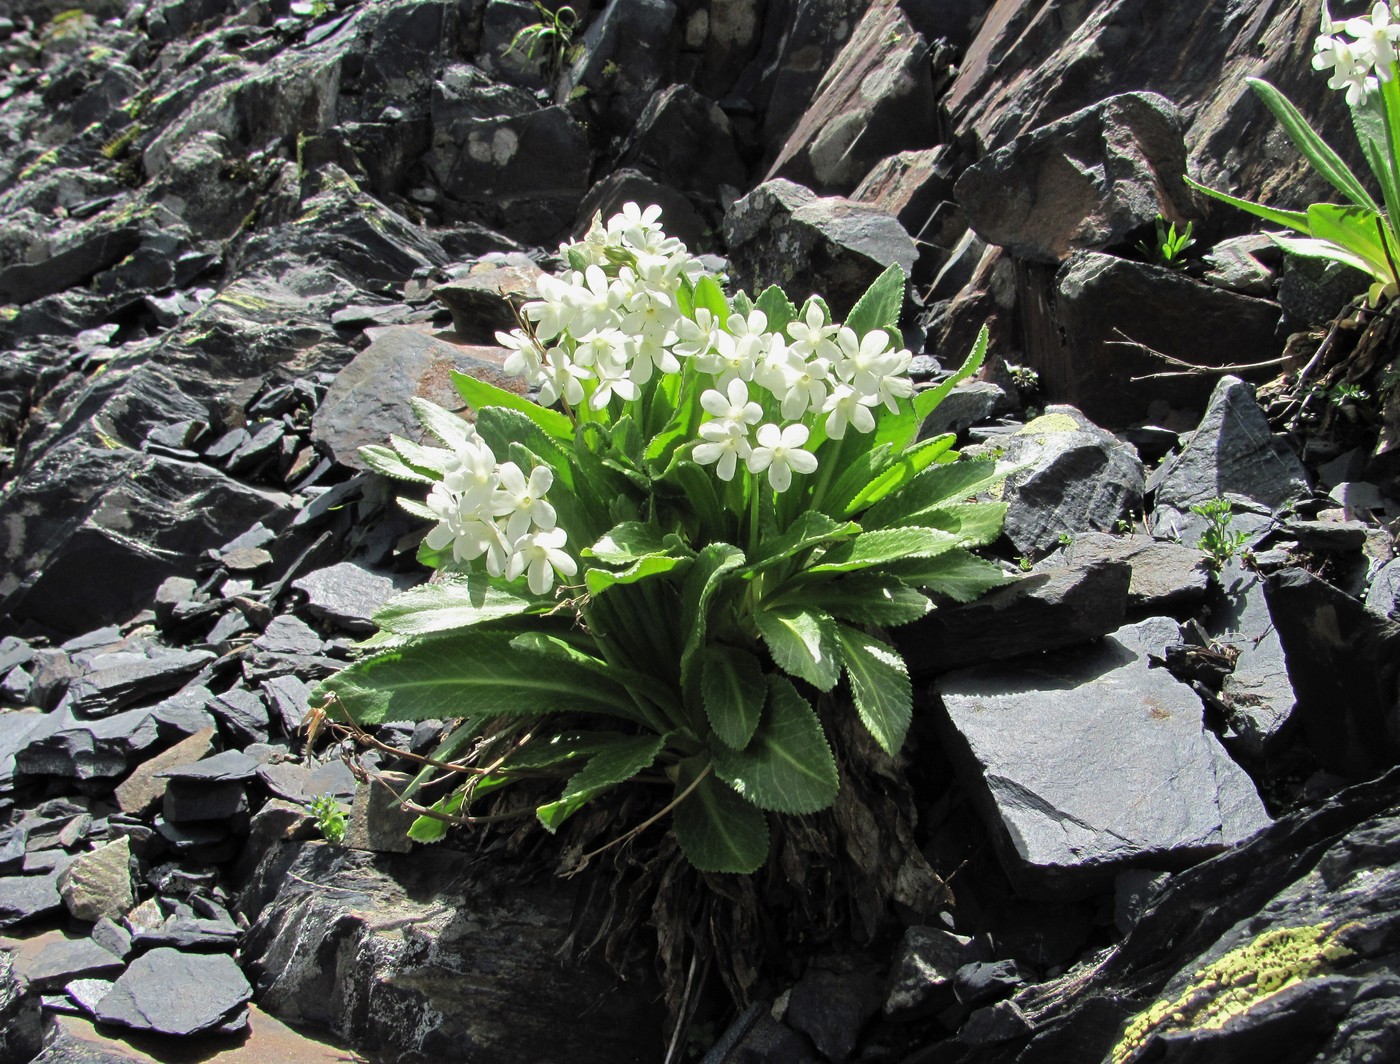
pixel 880 686
pixel 803 643
pixel 386 462
pixel 457 601
pixel 480 395
pixel 935 487
pixel 861 598
pixel 607 768
pixel 1316 150
pixel 450 428
pixel 900 471
pixel 883 546
pixel 741 304
pixel 717 830
pixel 476 673
pixel 1296 220
pixel 734 690
pixel 926 401
pixel 627 542
pixel 959 575
pixel 501 427
pixel 562 652
pixel 702 583
pixel 811 528
pixel 561 748
pixel 974 523
pixel 879 306
pixel 773 301
pixel 1354 230
pixel 709 297
pixel 1324 249
pixel 599 580
pixel 787 767
pixel 428 829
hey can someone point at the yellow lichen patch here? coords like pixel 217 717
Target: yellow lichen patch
pixel 1238 981
pixel 1047 423
pixel 42 163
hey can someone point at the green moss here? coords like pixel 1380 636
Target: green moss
pixel 116 147
pixel 39 165
pixel 1238 981
pixel 1048 423
pixel 9 313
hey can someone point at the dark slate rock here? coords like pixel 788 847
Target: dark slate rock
pixel 686 141
pixel 231 766
pixel 348 594
pixel 184 929
pixel 981 982
pixel 1344 665
pixel 174 592
pixel 1132 890
pixel 201 840
pixel 1257 695
pixel 1085 181
pixel 243 715
pixel 995 1024
pixel 1233 454
pixel 86 994
pixel 756 1036
pixel 184 713
pixel 1091 762
pixel 922 972
pixel 287 635
pixel 1057 607
pixel 106 690
pixel 15 728
pixel 201 800
pixel 968 404
pixel 369 400
pixel 24 898
pixel 14 651
pixel 97 884
pixel 66 959
pixel 84 255
pixel 175 993
pixel 1383 596
pixel 831 1008
pixel 627 54
pixel 21 1023
pixel 782 233
pixel 289 700
pixel 301 783
pixel 378 823
pixel 100 749
pixel 112 937
pixel 1166 576
pixel 262 445
pixel 317 942
pixel 480 300
pixel 1076 478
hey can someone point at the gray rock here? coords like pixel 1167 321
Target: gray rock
pixel 144 788
pixel 784 234
pixel 1058 607
pixel 995 1024
pixel 1074 477
pixel 969 403
pixel 480 300
pixel 349 594
pixel 923 970
pixel 831 1007
pixel 21 1023
pixel 112 937
pixel 377 822
pixel 98 750
pixel 1091 762
pixel 1231 454
pixel 1083 182
pixel 287 635
pixel 1339 654
pixel 66 959
pixel 1234 264
pixel 684 140
pixel 1383 596
pixel 98 884
pixel 231 766
pixel 979 982
pixel 1257 695
pixel 105 690
pixel 289 700
pixel 176 993
pixel 25 898
pixel 1166 576
pixel 87 994
pixel 1132 890
pixel 195 800
pixel 243 715
pixel 626 55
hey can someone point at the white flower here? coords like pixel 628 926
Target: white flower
pixel 524 357
pixel 539 555
pixel 732 405
pixel 725 443
pixel 612 380
pixel 1375 39
pixel 553 312
pixel 780 452
pixel 650 313
pixel 802 385
pixel 646 353
pixel 561 376
pixel 595 300
pixel 633 224
pixel 522 502
pixel 1349 68
pixel 812 336
pixel 846 406
pixel 696 337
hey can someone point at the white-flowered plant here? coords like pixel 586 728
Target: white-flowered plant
pixel 711 514
pixel 1359 56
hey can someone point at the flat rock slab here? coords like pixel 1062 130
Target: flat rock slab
pixel 348 594
pixel 1166 576
pixel 1090 762
pixel 142 790
pixel 231 766
pixel 176 993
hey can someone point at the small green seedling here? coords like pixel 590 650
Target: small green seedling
pixel 1024 563
pixel 1066 539
pixel 1171 245
pixel 330 817
pixel 550 35
pixel 1219 543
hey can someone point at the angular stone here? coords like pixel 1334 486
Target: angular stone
pixel 21 1023
pixel 243 715
pixel 480 300
pixel 176 993
pixel 88 993
pixel 290 701
pixel 1257 695
pixel 231 766
pixel 1083 182
pixel 348 594
pixel 66 959
pixel 377 822
pixel 685 140
pixel 98 883
pixel 1383 596
pixel 1344 665
pixel 979 982
pixel 187 801
pixel 1166 576
pixel 68 748
pixel 106 690
pixel 626 55
pixel 782 233
pixel 143 789
pixel 112 937
pixel 925 964
pixel 832 1006
pixel 1091 762
pixel 1047 610
pixel 24 898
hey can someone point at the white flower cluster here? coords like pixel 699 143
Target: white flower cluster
pixel 1358 65
pixel 604 331
pixel 491 508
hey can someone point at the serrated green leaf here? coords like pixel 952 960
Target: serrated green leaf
pixel 626 757
pixel 416 508
pixel 717 830
pixel 862 598
pixel 899 471
pixel 432 461
pixel 387 463
pixel 471 673
pixel 803 643
pixel 811 528
pixel 879 307
pixel 428 829
pixel 926 401
pixel 626 543
pixel 457 601
pixel 734 690
pixel 450 428
pixel 773 301
pixel 599 580
pixel 712 565
pixel 959 575
pixel 974 523
pixel 885 545
pixel 502 427
pixel 577 260
pixel 787 767
pixel 935 487
pixel 742 305
pixel 558 650
pixel 480 395
pixel 880 687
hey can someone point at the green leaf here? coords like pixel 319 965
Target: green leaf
pixel 803 643
pixel 430 460
pixel 626 543
pixel 742 305
pixel 560 748
pixel 428 829
pixel 1324 249
pixel 450 428
pixel 416 508
pixel 557 650
pixel 458 601
pixel 880 687
pixel 696 489
pixel 1355 230
pixel 883 546
pixel 1324 160
pixel 500 427
pixel 709 296
pixel 879 307
pixel 387 463
pixel 787 767
pixel 702 583
pixel 476 673
pixel 900 471
pixel 607 768
pixel 717 830
pixel 734 690
pixel 811 528
pixel 599 580
pixel 926 401
pixel 959 575
pixel 1296 220
pixel 773 301
pixel 480 395
pixel 861 598
pixel 974 523
pixel 937 486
